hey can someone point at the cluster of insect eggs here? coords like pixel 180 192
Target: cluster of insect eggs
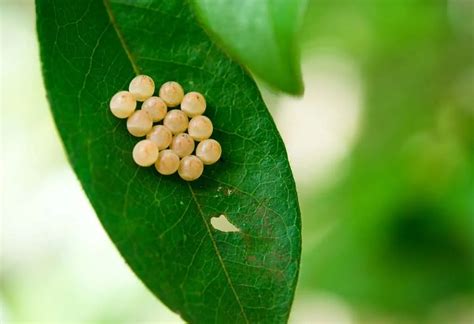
pixel 167 145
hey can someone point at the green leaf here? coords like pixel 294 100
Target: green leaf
pixel 162 225
pixel 261 34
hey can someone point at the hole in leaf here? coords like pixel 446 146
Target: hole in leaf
pixel 222 224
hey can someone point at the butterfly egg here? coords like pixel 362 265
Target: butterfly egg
pixel 145 153
pixel 139 123
pixel 142 87
pixel 122 104
pixel 161 136
pixel 209 151
pixel 190 168
pixel 193 104
pixel 200 128
pixel 167 162
pixel 172 93
pixel 156 107
pixel 182 145
pixel 176 120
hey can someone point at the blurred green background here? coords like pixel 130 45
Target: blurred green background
pixel 386 184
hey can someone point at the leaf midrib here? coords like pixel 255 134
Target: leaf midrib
pixel 137 71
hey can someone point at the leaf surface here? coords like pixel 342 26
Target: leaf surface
pixel 162 225
pixel 261 34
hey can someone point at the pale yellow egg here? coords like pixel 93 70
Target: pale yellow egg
pixel 139 123
pixel 122 104
pixel 145 153
pixel 190 168
pixel 167 162
pixel 142 87
pixel 193 104
pixel 161 136
pixel 200 128
pixel 209 151
pixel 172 93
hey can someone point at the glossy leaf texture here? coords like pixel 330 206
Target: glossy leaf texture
pixel 260 34
pixel 161 224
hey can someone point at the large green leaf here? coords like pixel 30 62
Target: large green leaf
pixel 261 34
pixel 161 225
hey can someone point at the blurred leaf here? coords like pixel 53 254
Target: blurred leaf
pixel 262 35
pixel 402 233
pixel 161 225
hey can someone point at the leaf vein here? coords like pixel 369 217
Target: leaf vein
pixel 137 71
pixel 221 260
pixel 120 37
